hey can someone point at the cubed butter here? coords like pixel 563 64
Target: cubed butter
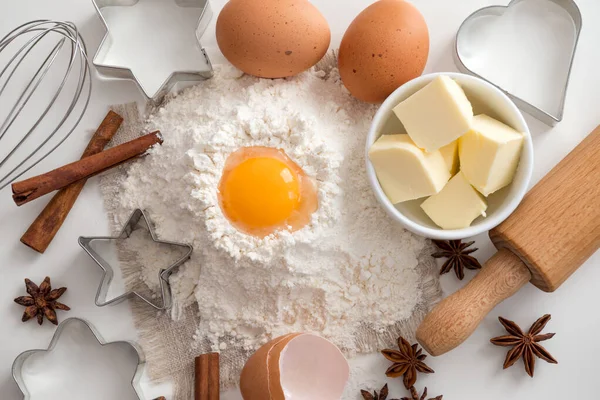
pixel 406 172
pixel 450 154
pixel 436 115
pixel 489 154
pixel 456 206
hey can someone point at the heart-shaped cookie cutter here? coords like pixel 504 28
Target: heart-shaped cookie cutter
pixel 545 116
pixel 19 373
pixel 119 69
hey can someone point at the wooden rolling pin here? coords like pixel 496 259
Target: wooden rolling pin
pixel 554 230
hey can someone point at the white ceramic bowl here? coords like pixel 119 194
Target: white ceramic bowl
pixel 485 98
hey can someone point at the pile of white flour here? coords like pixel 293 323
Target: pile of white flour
pixel 350 269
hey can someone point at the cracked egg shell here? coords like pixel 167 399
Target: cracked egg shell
pixel 385 46
pixel 272 38
pixel 296 366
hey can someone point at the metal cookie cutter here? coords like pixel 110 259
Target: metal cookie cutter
pixel 20 373
pixel 548 117
pixel 129 47
pixel 108 271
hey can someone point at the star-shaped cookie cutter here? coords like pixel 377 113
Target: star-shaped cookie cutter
pixel 19 373
pixel 108 271
pixel 111 71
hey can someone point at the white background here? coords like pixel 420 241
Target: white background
pixel 474 371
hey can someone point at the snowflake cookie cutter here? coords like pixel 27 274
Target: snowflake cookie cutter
pixel 121 66
pixel 19 370
pixel 108 271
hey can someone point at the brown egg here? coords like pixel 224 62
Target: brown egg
pixel 384 47
pixel 272 38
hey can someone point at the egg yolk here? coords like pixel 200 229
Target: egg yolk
pixel 262 190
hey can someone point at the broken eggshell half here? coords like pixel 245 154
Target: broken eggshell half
pixel 296 366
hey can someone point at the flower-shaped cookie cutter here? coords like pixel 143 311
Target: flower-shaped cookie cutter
pixel 120 67
pixel 108 271
pixel 547 117
pixel 19 373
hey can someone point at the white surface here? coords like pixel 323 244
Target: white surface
pixel 473 371
pixel 485 99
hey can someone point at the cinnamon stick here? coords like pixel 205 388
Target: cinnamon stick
pixel 46 225
pixel 32 188
pixel 207 382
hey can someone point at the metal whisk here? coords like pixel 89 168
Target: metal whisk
pixel 64 87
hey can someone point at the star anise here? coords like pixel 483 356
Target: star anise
pixel 383 394
pixel 458 258
pixel 406 361
pixel 525 345
pixel 415 395
pixel 42 301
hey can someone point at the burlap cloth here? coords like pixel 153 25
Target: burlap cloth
pixel 168 343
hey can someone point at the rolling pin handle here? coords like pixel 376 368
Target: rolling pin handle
pixel 455 318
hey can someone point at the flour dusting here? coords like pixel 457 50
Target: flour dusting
pixel 351 270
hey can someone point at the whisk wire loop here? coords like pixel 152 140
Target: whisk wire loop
pixel 34 32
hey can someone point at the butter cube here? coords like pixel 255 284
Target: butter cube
pixel 456 206
pixel 406 172
pixel 489 154
pixel 450 154
pixel 437 114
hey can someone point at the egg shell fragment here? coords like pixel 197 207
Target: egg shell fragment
pixel 272 38
pixel 295 367
pixel 384 47
pixel 273 363
pixel 256 375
